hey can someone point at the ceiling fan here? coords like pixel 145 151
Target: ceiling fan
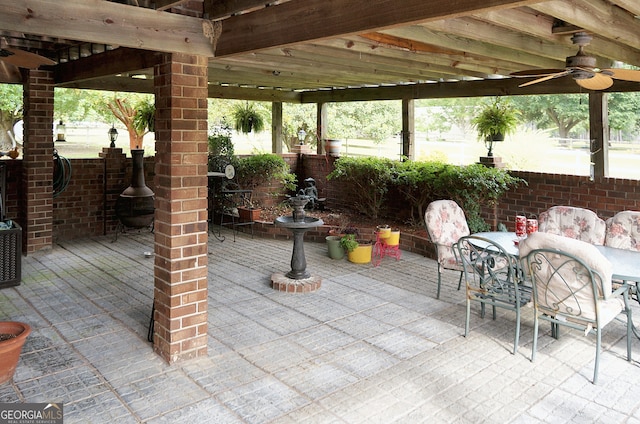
pixel 23 59
pixel 582 69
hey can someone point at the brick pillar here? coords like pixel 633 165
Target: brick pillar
pixel 37 172
pixel 180 295
pixel 114 181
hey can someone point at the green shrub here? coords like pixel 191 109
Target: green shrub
pixel 367 179
pixel 471 186
pixel 255 170
pixel 416 182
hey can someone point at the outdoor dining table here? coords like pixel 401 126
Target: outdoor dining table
pixel 625 263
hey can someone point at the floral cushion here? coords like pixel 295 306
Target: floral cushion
pixel 573 301
pixel 576 223
pixel 446 223
pixel 623 230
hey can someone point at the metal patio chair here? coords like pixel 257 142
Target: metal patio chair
pixel 446 223
pixel 572 287
pixel 576 223
pixel 492 277
pixel 623 231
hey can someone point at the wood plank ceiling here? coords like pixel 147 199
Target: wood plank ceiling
pixel 323 50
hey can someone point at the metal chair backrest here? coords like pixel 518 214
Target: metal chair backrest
pixel 569 275
pixel 489 271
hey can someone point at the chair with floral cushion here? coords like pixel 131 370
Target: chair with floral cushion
pixel 446 223
pixel 572 287
pixel 576 223
pixel 623 231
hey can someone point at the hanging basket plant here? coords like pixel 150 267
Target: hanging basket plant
pixel 247 118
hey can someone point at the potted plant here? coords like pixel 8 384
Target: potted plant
pixel 334 247
pixel 358 251
pixel 494 122
pixel 247 118
pixel 12 337
pixel 248 212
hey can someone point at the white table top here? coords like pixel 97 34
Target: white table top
pixel 626 263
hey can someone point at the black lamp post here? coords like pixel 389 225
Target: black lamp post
pixel 113 136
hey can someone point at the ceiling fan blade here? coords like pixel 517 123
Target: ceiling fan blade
pixel 624 74
pixel 536 72
pixel 597 82
pixel 545 78
pixel 23 59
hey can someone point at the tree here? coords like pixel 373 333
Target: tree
pixel 138 120
pixel 443 113
pixel 624 113
pixel 376 120
pixel 296 117
pixel 10 113
pixel 564 112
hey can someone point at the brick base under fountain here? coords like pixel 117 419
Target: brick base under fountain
pixel 282 283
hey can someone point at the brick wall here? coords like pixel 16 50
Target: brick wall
pixel 80 210
pixel 604 196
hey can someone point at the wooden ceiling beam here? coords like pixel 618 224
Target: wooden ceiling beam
pixel 475 47
pixel 417 69
pixel 305 20
pixel 442 90
pixel 297 60
pixel 503 37
pixel 254 94
pixel 167 4
pixel 464 64
pixel 540 25
pixel 597 17
pixel 217 9
pixel 105 22
pixel 111 62
pixel 631 6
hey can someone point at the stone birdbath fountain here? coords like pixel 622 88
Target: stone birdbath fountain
pixel 298 280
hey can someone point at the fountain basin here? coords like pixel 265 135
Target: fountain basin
pixel 307 223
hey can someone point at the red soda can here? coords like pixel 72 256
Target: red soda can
pixel 532 226
pixel 521 225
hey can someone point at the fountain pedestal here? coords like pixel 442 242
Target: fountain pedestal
pixel 298 280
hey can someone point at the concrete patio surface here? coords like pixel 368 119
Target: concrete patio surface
pixel 373 345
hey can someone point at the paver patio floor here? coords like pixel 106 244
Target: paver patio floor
pixel 373 345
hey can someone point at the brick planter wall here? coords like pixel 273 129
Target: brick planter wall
pixel 80 210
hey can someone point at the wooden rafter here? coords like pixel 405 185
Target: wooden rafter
pixel 111 23
pixel 318 19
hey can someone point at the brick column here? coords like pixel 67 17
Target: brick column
pixel 180 295
pixel 114 182
pixel 37 180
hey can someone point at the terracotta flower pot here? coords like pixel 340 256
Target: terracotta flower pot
pixel 10 349
pixel 249 214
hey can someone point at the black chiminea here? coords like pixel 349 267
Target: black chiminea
pixel 134 207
